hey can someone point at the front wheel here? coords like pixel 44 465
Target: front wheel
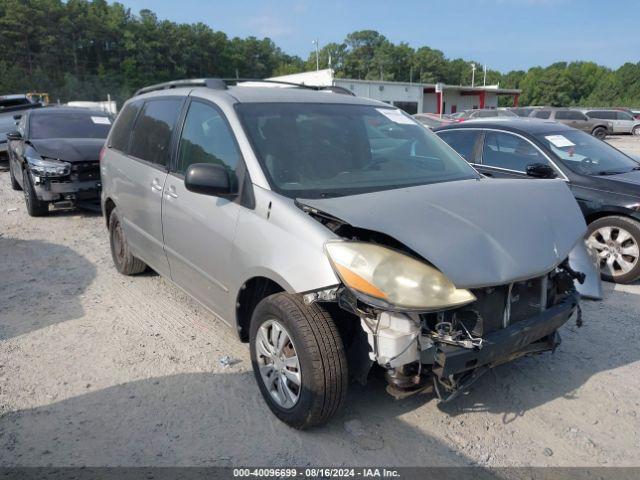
pixel 14 183
pixel 298 360
pixel 636 130
pixel 35 207
pixel 616 240
pixel 599 132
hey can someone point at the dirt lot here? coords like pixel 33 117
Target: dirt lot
pixel 101 369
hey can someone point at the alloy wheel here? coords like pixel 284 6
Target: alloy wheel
pixel 278 363
pixel 617 250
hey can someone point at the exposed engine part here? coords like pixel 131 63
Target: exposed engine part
pixel 448 332
pixel 393 338
pixel 406 377
pixel 327 295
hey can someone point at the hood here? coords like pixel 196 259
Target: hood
pixel 69 149
pixel 477 232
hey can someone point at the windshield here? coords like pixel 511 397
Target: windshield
pixel 319 150
pixel 587 155
pixel 69 125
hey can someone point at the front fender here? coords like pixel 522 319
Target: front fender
pixel 581 260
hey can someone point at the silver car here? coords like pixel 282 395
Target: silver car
pixel 336 235
pixel 621 122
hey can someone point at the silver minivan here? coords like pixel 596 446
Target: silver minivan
pixel 337 236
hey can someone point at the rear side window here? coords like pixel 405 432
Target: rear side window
pixel 151 137
pixel 602 115
pixel 122 128
pixel 569 115
pixel 542 114
pixel 462 142
pixel 206 138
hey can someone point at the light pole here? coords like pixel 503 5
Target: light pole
pixel 484 80
pixel 473 74
pixel 315 42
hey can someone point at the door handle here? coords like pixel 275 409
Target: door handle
pixel 155 185
pixel 171 192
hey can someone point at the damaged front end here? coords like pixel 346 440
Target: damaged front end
pixel 428 334
pixel 65 184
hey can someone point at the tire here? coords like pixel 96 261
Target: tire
pixel 635 130
pixel 599 132
pixel 14 183
pixel 35 207
pixel 123 260
pixel 617 241
pixel 321 360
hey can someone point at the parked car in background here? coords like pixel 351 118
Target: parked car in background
pixel 573 118
pixel 621 121
pixel 485 113
pixel 11 109
pixel 432 120
pixel 329 251
pixel 54 157
pixel 523 111
pixel 605 181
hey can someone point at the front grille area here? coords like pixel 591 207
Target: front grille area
pixel 497 307
pixel 86 171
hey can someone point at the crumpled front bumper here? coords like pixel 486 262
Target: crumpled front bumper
pixel 505 344
pixel 48 190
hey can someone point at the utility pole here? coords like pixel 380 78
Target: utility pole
pixel 484 80
pixel 473 74
pixel 315 42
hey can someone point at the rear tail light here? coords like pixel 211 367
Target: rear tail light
pixel 103 150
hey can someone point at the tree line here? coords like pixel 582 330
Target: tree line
pixel 83 49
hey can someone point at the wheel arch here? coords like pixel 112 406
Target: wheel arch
pixel 611 212
pixel 252 292
pixel 109 205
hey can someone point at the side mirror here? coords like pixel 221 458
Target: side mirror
pixel 540 170
pixel 14 135
pixel 210 179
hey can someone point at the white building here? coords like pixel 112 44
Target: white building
pixel 411 97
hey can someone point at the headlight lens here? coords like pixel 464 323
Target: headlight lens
pixel 49 168
pixel 383 274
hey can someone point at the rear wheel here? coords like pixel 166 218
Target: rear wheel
pixel 599 132
pixel 35 207
pixel 636 130
pixel 124 261
pixel 298 360
pixel 617 241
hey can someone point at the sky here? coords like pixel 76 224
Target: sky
pixel 503 34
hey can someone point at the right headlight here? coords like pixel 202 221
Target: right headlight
pixel 385 276
pixel 48 168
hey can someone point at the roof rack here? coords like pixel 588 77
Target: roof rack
pixel 215 83
pixel 221 84
pixel 329 88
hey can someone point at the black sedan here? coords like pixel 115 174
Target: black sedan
pixel 53 157
pixel 605 181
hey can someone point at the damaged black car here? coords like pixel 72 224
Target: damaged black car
pixel 54 158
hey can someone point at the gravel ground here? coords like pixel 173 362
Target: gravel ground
pixel 99 369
